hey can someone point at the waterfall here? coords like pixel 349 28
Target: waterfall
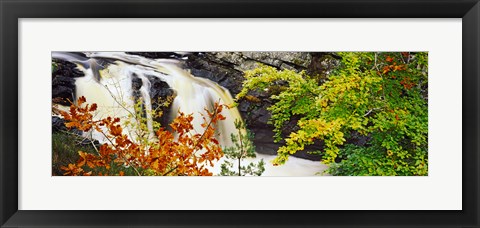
pixel 108 82
pixel 194 94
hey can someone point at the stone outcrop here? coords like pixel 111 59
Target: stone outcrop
pixel 159 93
pixel 63 81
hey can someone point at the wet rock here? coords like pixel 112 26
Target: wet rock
pixel 264 144
pixel 66 69
pixel 136 85
pixel 357 139
pixel 158 88
pixel 58 125
pixel 63 90
pixel 223 73
pixel 160 95
pixel 322 64
pixel 63 81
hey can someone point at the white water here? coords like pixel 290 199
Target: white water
pixel 110 87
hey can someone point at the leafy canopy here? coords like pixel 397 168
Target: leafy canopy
pixel 382 96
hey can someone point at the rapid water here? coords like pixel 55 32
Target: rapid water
pixel 108 82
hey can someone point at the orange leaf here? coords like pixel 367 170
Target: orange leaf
pixel 81 100
pixel 93 107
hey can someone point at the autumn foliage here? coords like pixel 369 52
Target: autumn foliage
pixel 179 152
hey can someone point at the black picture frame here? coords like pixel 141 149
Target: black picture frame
pixel 12 10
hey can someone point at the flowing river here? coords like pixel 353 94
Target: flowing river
pixel 108 83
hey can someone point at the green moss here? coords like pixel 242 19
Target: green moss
pixel 65 149
pixel 54 66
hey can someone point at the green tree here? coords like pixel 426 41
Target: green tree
pixel 382 96
pixel 243 148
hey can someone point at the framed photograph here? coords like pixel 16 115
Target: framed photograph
pixel 301 113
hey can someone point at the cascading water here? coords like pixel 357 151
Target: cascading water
pixel 108 82
pixel 194 94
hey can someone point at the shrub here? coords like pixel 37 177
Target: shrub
pixel 243 148
pixel 186 153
